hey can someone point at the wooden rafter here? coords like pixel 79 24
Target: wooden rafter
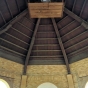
pixel 77 18
pixel 61 44
pixel 14 20
pixel 30 47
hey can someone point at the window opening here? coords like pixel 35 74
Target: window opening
pixel 86 86
pixel 47 85
pixel 4 84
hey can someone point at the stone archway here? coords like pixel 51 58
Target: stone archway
pixel 47 85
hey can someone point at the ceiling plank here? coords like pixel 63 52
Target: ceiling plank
pixel 2 17
pixel 74 5
pixel 10 50
pixel 78 51
pixel 31 46
pixel 9 8
pixel 77 18
pixel 72 39
pixel 25 26
pixel 85 1
pixel 17 5
pixel 61 44
pixel 21 33
pixel 7 41
pixel 14 20
pixel 14 37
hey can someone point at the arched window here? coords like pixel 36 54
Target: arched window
pixel 4 84
pixel 47 85
pixel 86 86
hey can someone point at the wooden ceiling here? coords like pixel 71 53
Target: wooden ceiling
pixel 46 10
pixel 36 41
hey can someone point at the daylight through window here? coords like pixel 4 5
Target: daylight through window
pixel 3 84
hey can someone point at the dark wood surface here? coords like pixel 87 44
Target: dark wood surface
pixel 15 42
pixel 31 46
pixel 61 45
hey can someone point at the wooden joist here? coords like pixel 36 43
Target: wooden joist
pixel 45 10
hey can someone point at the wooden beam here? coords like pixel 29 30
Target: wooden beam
pixel 56 61
pixel 72 31
pixel 29 20
pixel 83 7
pixel 46 50
pixel 62 20
pixel 17 38
pixel 2 39
pixel 23 81
pixel 79 43
pixel 5 29
pixel 7 49
pixel 56 56
pixel 9 8
pixel 67 25
pixel 30 47
pixel 3 17
pixel 74 5
pixel 18 5
pixel 72 39
pixel 11 56
pixel 25 26
pixel 21 33
pixel 14 20
pixel 78 51
pixel 70 81
pixel 46 45
pixel 61 44
pixel 77 18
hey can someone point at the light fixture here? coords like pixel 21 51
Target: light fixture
pixel 45 0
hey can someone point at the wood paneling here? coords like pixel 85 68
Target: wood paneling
pixel 45 10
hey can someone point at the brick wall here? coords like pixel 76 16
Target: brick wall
pixel 38 74
pixel 79 71
pixel 56 74
pixel 11 70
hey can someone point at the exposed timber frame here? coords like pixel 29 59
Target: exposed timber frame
pixel 17 5
pixel 2 17
pixel 31 46
pixel 14 20
pixel 61 45
pixel 77 18
pixel 9 8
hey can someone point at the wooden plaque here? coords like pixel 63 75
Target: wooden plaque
pixel 45 10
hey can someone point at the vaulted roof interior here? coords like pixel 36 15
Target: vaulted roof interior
pixel 17 33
